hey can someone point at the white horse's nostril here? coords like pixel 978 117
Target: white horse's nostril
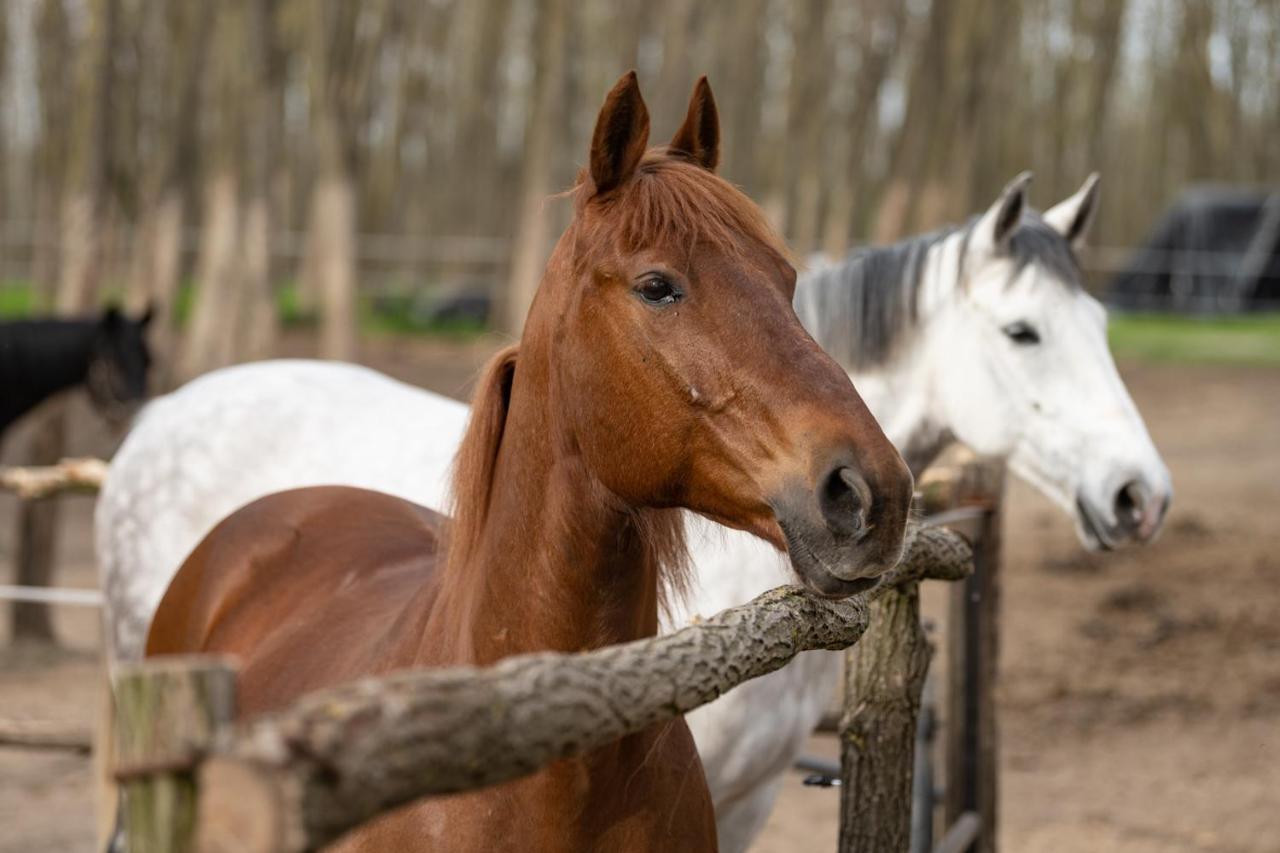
pixel 1130 505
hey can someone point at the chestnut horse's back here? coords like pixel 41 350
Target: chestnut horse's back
pixel 327 568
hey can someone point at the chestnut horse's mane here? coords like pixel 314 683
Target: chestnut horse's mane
pixel 661 530
pixel 670 201
pixel 472 479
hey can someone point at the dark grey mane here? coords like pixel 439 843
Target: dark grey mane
pixel 859 309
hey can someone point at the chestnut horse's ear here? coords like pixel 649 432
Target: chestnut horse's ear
pixel 622 132
pixel 699 137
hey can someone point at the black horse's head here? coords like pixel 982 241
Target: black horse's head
pixel 118 364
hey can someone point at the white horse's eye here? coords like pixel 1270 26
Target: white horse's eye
pixel 1023 334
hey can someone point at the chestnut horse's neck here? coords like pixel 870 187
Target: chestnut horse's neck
pixel 561 563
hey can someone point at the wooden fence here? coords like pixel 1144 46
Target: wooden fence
pixel 882 742
pixel 298 779
pixel 70 476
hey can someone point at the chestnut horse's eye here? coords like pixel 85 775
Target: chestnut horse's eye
pixel 657 290
pixel 1023 334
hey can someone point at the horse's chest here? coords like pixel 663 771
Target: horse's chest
pixel 644 793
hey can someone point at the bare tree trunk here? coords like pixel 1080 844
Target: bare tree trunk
pixel 675 77
pixel 1193 104
pixel 738 80
pixel 54 37
pixel 987 31
pixel 258 322
pixel 182 61
pixel 533 237
pixel 216 307
pixel 341 56
pixel 82 215
pixel 807 113
pixel 164 252
pixel 926 94
pixel 879 33
pixel 259 306
pixel 334 226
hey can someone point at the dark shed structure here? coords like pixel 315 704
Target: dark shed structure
pixel 1216 250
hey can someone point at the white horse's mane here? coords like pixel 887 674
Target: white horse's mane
pixel 860 308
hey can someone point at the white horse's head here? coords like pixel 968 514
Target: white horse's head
pixel 1026 373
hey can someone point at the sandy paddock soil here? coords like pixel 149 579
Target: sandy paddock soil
pixel 1140 692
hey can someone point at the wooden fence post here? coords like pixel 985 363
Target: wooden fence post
pixel 884 676
pixel 884 679
pixel 168 711
pixel 972 747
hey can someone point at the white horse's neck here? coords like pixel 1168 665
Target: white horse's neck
pixel 901 391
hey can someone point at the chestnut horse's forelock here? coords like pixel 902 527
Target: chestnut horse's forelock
pixel 669 202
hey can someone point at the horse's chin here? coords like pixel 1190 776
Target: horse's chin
pixel 827 585
pixel 1092 532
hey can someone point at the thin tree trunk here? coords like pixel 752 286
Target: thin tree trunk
pixel 216 307
pixel 533 237
pixel 879 37
pixel 342 45
pixel 333 225
pixel 82 225
pixel 164 253
pixel 738 81
pixel 807 108
pixel 926 95
pixel 671 92
pixel 258 310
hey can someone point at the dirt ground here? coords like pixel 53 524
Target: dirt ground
pixel 1140 691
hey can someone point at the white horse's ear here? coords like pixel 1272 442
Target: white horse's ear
pixel 996 227
pixel 1072 218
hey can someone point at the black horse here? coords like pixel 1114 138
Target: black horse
pixel 39 358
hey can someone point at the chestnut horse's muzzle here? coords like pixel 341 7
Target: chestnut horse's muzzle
pixel 848 531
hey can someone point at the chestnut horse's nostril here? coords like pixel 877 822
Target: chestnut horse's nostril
pixel 1130 504
pixel 845 500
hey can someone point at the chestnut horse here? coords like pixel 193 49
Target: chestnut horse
pixel 661 367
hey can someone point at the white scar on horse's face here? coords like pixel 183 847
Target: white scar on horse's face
pixel 1031 378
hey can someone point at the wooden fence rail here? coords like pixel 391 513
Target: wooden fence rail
pixel 298 779
pixel 31 593
pixel 84 475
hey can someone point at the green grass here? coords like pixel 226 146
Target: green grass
pixel 17 299
pixel 1245 339
pixel 383 317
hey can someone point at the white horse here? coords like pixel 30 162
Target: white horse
pixel 981 333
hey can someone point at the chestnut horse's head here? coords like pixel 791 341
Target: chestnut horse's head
pixel 684 377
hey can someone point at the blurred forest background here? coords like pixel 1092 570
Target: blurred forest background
pixel 248 162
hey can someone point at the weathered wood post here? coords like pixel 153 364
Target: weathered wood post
pixel 884 677
pixel 972 747
pixel 168 712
